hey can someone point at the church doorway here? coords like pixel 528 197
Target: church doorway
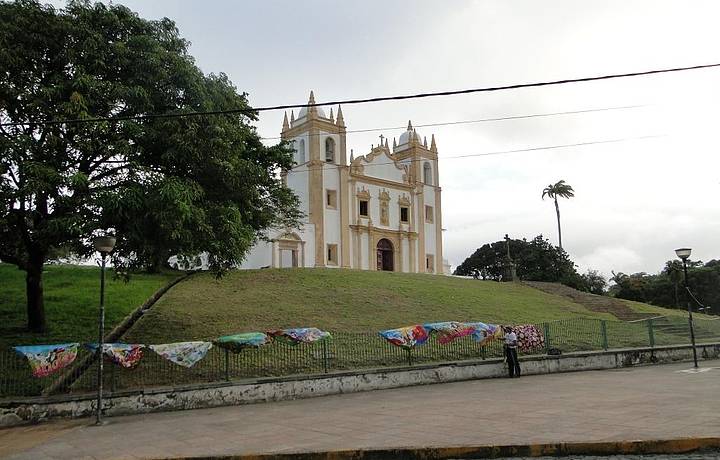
pixel 385 255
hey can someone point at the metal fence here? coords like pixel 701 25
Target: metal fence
pixel 346 351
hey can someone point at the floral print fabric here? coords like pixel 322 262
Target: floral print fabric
pixel 48 359
pixel 300 335
pixel 183 353
pixel 406 337
pixel 450 330
pixel 529 336
pixel 238 342
pixel 127 355
pixel 484 333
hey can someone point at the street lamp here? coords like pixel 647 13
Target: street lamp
pixel 104 245
pixel 684 253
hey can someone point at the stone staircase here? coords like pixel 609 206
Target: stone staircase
pixel 597 303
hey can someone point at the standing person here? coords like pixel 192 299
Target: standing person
pixel 511 352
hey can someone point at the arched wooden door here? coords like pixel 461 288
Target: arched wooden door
pixel 385 255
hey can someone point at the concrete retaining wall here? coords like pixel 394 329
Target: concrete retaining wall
pixel 31 410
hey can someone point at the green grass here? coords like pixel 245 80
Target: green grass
pixel 340 301
pixel 71 302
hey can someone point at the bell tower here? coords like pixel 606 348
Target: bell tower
pixel 321 156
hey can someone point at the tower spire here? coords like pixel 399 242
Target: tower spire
pixel 292 116
pixel 425 141
pixel 433 147
pixel 332 117
pixel 410 128
pixel 340 119
pixel 312 110
pixel 394 144
pixel 286 125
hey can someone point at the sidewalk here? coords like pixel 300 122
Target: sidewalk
pixel 655 402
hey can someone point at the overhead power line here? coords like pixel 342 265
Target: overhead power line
pixel 498 152
pixel 249 110
pixel 481 120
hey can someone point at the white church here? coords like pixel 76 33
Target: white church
pixel 380 211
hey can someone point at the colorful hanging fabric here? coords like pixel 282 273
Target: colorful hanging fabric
pixel 530 337
pixel 127 355
pixel 48 359
pixel 449 330
pixel 238 342
pixel 300 335
pixel 406 337
pixel 183 353
pixel 484 333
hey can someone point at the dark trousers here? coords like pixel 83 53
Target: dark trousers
pixel 512 361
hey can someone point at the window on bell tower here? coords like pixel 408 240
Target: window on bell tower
pixel 329 150
pixel 427 173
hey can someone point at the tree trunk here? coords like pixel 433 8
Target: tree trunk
pixel 557 210
pixel 34 291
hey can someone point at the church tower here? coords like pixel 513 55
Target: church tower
pixel 421 161
pixel 318 176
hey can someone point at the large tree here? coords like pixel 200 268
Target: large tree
pixel 553 191
pixel 165 184
pixel 535 260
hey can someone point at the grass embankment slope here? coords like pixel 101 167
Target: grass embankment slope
pixel 72 296
pixel 341 300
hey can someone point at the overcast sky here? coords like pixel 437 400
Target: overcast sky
pixel 636 200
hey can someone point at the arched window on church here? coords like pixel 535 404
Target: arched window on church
pixel 301 152
pixel 329 150
pixel 427 173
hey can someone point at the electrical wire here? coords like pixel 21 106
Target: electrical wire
pixel 481 120
pixel 253 110
pixel 499 152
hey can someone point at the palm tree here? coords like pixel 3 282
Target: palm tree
pixel 560 189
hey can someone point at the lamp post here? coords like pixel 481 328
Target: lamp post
pixel 684 253
pixel 104 245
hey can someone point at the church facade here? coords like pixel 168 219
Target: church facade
pixel 378 211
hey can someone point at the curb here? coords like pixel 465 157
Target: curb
pixel 561 449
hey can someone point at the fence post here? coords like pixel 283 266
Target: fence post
pixel 603 329
pixel 325 355
pixel 409 356
pixel 651 332
pixel 546 327
pixel 227 365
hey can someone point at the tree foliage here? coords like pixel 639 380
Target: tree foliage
pixel 553 191
pixel 165 185
pixel 667 289
pixel 535 260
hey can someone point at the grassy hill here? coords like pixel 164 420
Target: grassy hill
pixel 71 302
pixel 343 300
pixel 337 300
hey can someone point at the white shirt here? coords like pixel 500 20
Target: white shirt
pixel 511 339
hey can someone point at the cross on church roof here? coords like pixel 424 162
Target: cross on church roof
pixel 381 140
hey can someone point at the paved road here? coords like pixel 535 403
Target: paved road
pixel 656 402
pixel 710 455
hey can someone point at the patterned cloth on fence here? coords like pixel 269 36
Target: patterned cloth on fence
pixel 183 353
pixel 530 337
pixel 48 359
pixel 237 342
pixel 300 335
pixel 449 330
pixel 406 337
pixel 127 355
pixel 484 333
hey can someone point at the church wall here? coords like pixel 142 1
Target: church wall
pixel 383 168
pixel 331 181
pixel 259 256
pixel 364 251
pixel 297 181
